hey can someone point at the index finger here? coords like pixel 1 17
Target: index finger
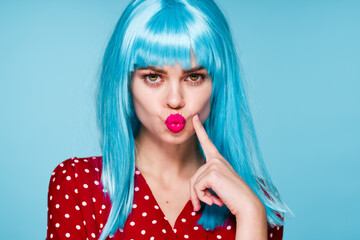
pixel 205 141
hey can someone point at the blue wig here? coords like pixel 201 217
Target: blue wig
pixel 158 32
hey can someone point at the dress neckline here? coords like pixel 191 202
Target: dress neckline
pixel 182 212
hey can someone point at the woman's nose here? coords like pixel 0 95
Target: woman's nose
pixel 175 97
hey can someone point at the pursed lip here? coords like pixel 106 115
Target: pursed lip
pixel 175 119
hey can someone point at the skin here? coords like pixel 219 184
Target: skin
pixel 171 161
pixel 169 155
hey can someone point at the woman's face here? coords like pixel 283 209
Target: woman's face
pixel 158 92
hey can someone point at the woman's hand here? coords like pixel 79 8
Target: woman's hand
pixel 218 175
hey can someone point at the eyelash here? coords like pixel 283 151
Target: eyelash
pixel 193 83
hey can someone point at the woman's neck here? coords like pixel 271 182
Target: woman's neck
pixel 166 161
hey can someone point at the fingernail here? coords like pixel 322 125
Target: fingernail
pixel 197 116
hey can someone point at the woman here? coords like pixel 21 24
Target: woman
pixel 180 159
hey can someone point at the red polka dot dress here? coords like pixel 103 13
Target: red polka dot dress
pixel 78 209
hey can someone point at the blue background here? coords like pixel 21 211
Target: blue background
pixel 302 64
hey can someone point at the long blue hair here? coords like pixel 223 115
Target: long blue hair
pixel 158 32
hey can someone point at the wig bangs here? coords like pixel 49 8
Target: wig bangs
pixel 169 35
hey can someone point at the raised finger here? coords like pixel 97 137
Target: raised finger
pixel 206 143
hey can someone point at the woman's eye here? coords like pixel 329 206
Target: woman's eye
pixel 194 77
pixel 154 80
pixel 152 77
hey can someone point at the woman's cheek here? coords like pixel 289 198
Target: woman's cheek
pixel 201 105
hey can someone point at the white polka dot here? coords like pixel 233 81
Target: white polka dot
pixel 193 213
pixel 146 197
pixel 164 231
pixel 93 216
pixel 57 225
pixel 228 227
pixel 101 225
pixel 85 160
pixel 57 206
pixel 64 171
pixel 121 229
pixel 67 235
pixel 78 227
pixel 50 216
pixel 66 196
pixel 87 170
pixel 154 221
pixel 183 220
pixel 278 228
pixel 61 164
pixel 93 235
pixel 218 237
pixel 174 230
pixel 271 235
pixel 76 191
pixel 50 197
pixel 100 211
pixel 165 218
pixel 186 236
pixel 53 173
pixel 58 187
pixel 76 175
pixel 84 223
pixel 137 172
pixel 67 215
pixel 196 228
pixel 156 207
pixel 96 182
pixel 53 179
pixel 94 200
pixel 68 178
pixel 96 169
pixel 142 232
pixel 76 160
pixel 103 206
pixel 73 164
pixel 136 189
pixel 134 205
pixel 77 207
pixel 152 238
pixel 144 214
pixel 51 235
pixel 84 203
pixel 132 223
pixel 85 186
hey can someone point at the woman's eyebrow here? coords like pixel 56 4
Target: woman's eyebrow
pixel 155 69
pixel 193 69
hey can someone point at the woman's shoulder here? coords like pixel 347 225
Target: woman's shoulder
pixel 76 165
pixel 77 205
pixel 75 172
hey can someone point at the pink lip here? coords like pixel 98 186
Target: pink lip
pixel 175 123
